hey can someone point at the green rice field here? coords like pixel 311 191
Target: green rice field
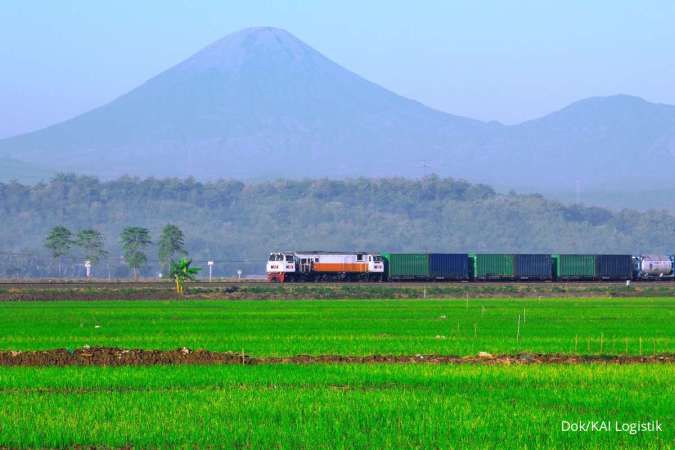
pixel 326 406
pixel 333 405
pixel 349 327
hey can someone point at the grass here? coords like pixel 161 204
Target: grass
pixel 371 406
pixel 349 327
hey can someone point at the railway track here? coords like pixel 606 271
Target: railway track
pixel 221 284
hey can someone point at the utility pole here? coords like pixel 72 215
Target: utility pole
pixel 210 263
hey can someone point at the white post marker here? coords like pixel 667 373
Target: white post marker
pixel 210 263
pixel 239 274
pixel 87 266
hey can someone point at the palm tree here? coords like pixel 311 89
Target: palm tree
pixel 181 271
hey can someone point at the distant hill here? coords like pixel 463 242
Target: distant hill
pixel 641 200
pixel 261 104
pixel 619 142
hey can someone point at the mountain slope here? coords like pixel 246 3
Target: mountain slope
pixel 11 169
pixel 261 104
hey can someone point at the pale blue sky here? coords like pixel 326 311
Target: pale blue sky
pixel 501 60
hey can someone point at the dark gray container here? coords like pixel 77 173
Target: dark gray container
pixel 449 266
pixel 533 267
pixel 614 267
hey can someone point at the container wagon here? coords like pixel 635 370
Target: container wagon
pixel 406 266
pixel 614 267
pixel 574 267
pixel 449 266
pixel 532 267
pixel 493 266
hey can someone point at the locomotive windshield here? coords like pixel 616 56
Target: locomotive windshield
pixel 276 257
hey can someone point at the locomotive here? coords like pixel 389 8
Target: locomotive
pixel 324 266
pixel 291 266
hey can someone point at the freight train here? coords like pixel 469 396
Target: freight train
pixel 363 266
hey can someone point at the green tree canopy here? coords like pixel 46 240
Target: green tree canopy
pixel 171 242
pixel 92 244
pixel 59 242
pixel 134 241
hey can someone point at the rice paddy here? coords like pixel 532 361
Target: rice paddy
pixel 634 326
pixel 326 405
pixel 366 406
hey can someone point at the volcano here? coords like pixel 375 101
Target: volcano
pixel 258 103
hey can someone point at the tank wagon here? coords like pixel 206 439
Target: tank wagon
pixel 364 266
pixel 653 267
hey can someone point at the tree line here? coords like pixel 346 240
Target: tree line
pixel 238 223
pixel 134 241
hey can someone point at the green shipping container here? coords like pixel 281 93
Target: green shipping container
pixel 492 266
pixel 407 266
pixel 574 267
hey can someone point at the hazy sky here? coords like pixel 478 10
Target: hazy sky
pixel 491 60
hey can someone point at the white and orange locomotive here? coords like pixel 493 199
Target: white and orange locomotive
pixel 324 266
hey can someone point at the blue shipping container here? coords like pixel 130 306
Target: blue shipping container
pixel 449 266
pixel 614 267
pixel 533 267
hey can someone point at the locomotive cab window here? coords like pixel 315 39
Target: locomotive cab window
pixel 289 258
pixel 359 257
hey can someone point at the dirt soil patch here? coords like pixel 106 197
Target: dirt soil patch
pixel 44 291
pixel 104 356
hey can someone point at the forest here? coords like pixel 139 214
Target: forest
pixel 236 224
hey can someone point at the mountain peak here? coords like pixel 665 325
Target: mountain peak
pixel 621 109
pixel 262 32
pixel 611 100
pixel 264 44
